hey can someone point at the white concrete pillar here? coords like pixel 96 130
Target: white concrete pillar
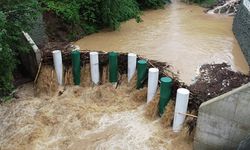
pixel 180 108
pixel 94 67
pixel 57 58
pixel 153 77
pixel 131 65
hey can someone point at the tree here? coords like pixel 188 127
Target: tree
pixel 116 11
pixel 15 16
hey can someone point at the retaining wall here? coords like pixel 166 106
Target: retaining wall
pixel 38 32
pixel 241 28
pixel 224 121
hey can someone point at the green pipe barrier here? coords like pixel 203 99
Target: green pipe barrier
pixel 141 73
pixel 76 67
pixel 113 67
pixel 165 93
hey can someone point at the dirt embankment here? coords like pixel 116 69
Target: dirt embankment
pixel 58 30
pixel 215 80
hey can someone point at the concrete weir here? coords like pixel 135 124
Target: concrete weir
pixel 223 122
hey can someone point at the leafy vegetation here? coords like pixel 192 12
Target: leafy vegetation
pixel 15 16
pixel 113 12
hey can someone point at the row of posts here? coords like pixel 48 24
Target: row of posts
pixel 142 72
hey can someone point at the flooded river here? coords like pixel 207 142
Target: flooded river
pixel 102 117
pixel 182 35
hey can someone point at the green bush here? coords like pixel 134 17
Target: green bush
pixel 113 12
pixel 6 60
pixel 67 9
pixel 15 16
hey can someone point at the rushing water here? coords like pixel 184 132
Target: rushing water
pixel 182 35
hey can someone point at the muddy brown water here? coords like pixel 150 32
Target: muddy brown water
pixel 182 35
pixel 82 118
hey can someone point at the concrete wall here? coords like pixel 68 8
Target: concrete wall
pixel 224 121
pixel 241 28
pixel 38 32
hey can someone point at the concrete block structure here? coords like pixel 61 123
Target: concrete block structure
pixel 241 28
pixel 224 121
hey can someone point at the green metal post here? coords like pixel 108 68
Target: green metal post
pixel 76 68
pixel 113 67
pixel 141 73
pixel 165 93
